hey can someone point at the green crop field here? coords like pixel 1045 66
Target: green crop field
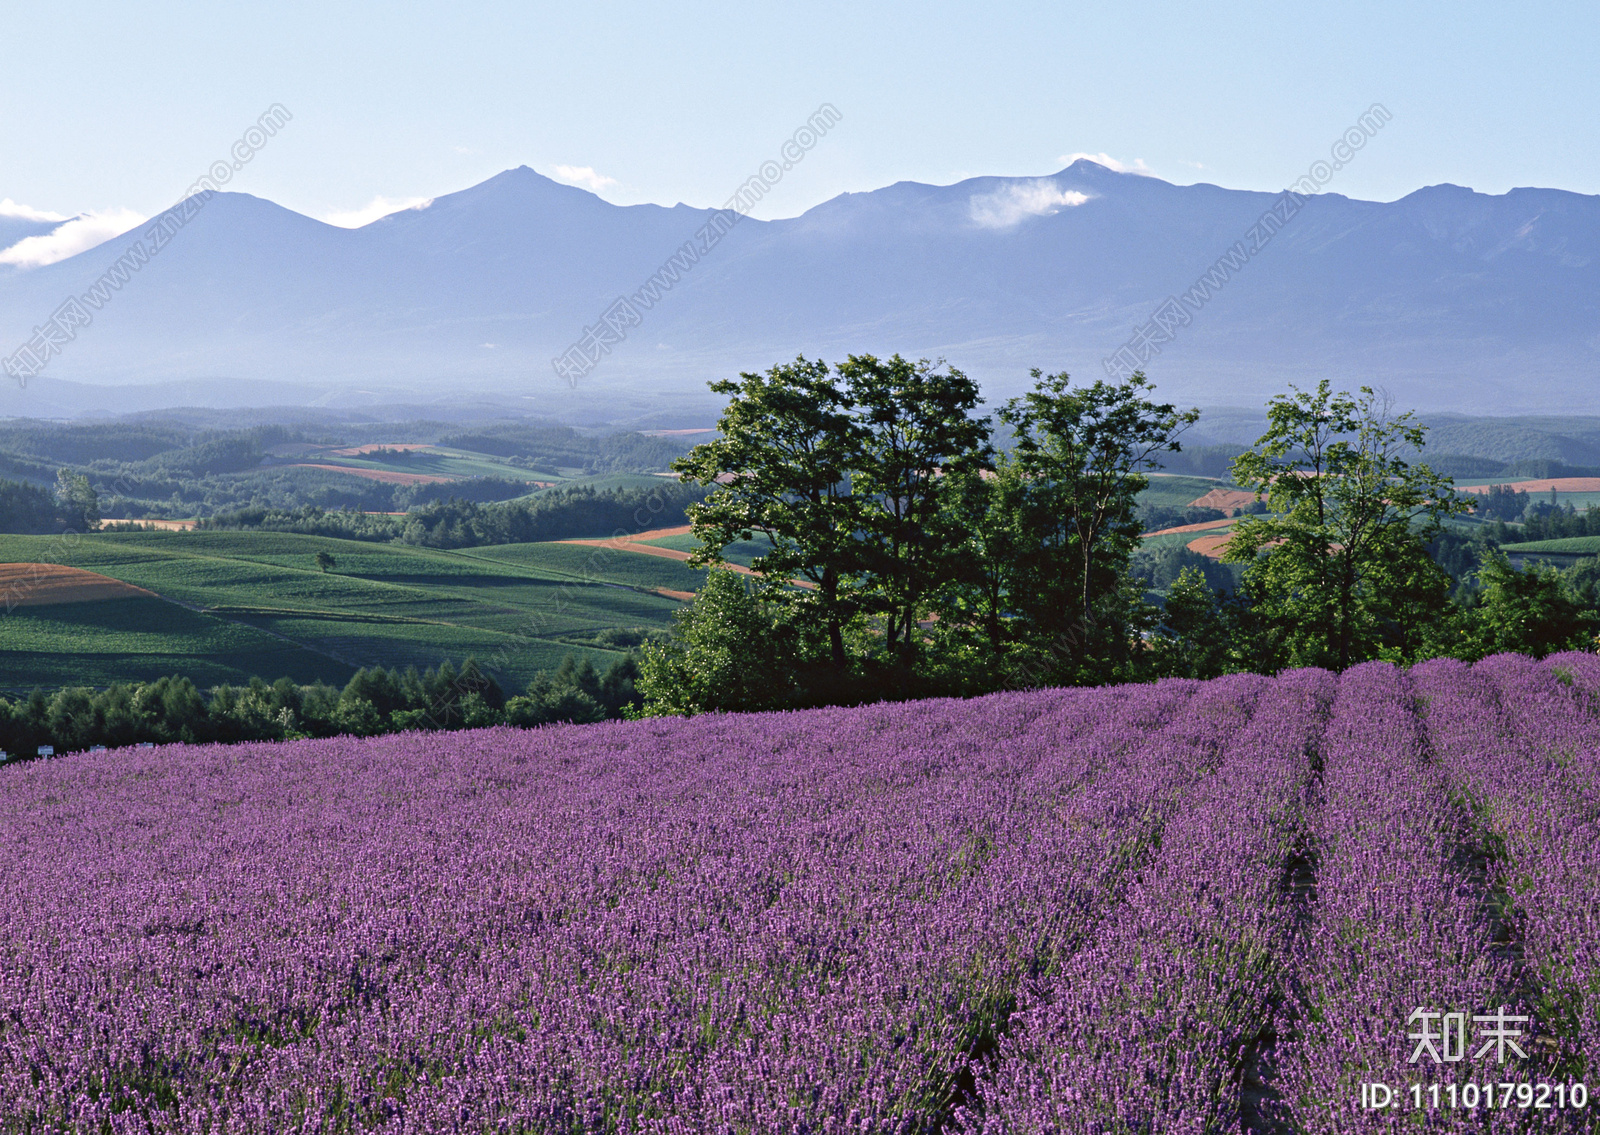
pixel 1573 545
pixel 437 463
pixel 1578 501
pixel 628 481
pixel 1155 543
pixel 237 604
pixel 138 639
pixel 594 561
pixel 739 552
pixel 1178 490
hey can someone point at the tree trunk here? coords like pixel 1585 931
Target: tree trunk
pixel 830 595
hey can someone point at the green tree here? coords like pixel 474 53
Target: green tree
pixel 325 561
pixel 75 719
pixel 1193 636
pixel 1069 489
pixel 26 508
pixel 80 506
pixel 572 693
pixel 172 709
pixel 1338 566
pixel 782 464
pixel 1534 610
pixel 731 650
pixel 918 436
pixel 577 692
pixel 974 625
pixel 1584 577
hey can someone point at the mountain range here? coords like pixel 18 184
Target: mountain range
pixel 1448 298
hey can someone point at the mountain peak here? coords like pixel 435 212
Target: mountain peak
pixel 1446 297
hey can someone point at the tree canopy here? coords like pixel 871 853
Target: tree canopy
pixel 1338 566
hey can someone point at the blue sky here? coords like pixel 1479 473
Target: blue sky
pixel 121 106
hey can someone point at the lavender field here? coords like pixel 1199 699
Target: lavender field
pixel 1182 907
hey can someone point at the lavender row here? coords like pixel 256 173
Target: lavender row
pixel 1520 741
pixel 1054 911
pixel 1158 1026
pixel 788 922
pixel 1398 923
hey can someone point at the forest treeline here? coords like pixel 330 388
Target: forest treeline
pixel 374 701
pixel 555 514
pixel 935 563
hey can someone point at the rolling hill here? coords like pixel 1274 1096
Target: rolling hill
pixel 231 605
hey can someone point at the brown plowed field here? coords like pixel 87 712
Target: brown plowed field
pixel 642 549
pixel 373 447
pixel 383 475
pixel 164 525
pixel 1203 526
pixel 39 585
pixel 638 537
pixel 1224 499
pixel 1559 484
pixel 1210 546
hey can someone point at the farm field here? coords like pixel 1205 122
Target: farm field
pixel 388 476
pixel 675 545
pixel 433 462
pixel 1561 485
pixel 1206 538
pixel 1174 907
pixel 740 552
pixel 254 603
pixel 1159 540
pixel 1579 492
pixel 137 640
pixel 1177 490
pixel 1572 545
pixel 576 561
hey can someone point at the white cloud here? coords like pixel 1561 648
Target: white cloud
pixel 376 209
pixel 9 208
pixel 79 234
pixel 1136 166
pixel 584 176
pixel 1022 199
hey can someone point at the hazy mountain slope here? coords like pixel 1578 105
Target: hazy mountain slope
pixel 1451 299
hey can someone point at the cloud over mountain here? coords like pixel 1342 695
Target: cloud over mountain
pixel 1012 203
pixel 73 236
pixel 376 209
